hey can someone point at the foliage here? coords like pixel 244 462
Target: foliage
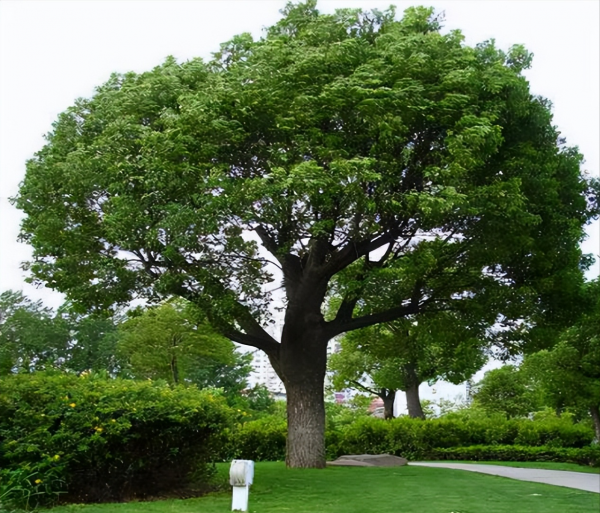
pixel 582 456
pixel 415 439
pixel 173 342
pixel 546 465
pixel 260 400
pixel 369 157
pixel 31 336
pixel 23 487
pixel 230 375
pixel 101 439
pixel 93 342
pixel 506 390
pixel 34 337
pixel 265 439
pixel 259 440
pixel 568 374
pixel 449 406
pixel 403 354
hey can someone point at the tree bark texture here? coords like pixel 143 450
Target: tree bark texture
pixel 388 397
pixel 413 401
pixel 301 366
pixel 306 426
pixel 595 412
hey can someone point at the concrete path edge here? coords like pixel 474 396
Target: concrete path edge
pixel 577 480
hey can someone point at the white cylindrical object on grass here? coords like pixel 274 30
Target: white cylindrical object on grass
pixel 241 476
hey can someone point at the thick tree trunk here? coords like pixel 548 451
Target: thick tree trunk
pixel 302 365
pixel 306 425
pixel 388 397
pixel 595 412
pixel 413 402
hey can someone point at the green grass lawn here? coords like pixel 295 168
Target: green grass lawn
pixel 547 465
pixel 380 490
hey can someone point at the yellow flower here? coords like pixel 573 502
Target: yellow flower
pixel 72 405
pixel 38 481
pixel 98 429
pixel 244 413
pixel 56 457
pixel 113 420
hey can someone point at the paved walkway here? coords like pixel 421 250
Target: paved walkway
pixel 579 480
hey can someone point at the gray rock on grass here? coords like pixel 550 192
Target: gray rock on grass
pixel 369 460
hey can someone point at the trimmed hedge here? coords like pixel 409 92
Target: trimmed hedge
pixel 259 440
pixel 583 456
pixel 417 439
pixel 99 439
pixel 414 438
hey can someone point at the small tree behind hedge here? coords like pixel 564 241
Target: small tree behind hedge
pixel 100 439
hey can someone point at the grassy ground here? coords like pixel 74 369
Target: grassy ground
pixel 384 490
pixel 547 465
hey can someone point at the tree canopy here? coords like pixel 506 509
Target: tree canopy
pixel 568 374
pixel 349 153
pixel 506 390
pixel 401 355
pixel 32 337
pixel 169 341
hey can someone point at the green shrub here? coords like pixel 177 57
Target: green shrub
pixel 367 435
pixel 582 456
pixel 264 439
pixel 259 440
pixel 554 433
pixel 99 439
pixel 415 438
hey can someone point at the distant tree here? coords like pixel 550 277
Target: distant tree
pixel 93 342
pixel 229 372
pixel 173 342
pixel 419 168
pixel 507 390
pixel 32 337
pixel 260 399
pixel 403 354
pixel 569 373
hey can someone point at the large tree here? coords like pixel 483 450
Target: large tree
pixel 345 143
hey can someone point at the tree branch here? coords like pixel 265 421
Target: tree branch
pixel 355 250
pixel 336 328
pixel 269 346
pixel 255 335
pixel 366 389
pixel 344 313
pixel 268 242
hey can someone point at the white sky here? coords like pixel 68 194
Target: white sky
pixel 52 52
